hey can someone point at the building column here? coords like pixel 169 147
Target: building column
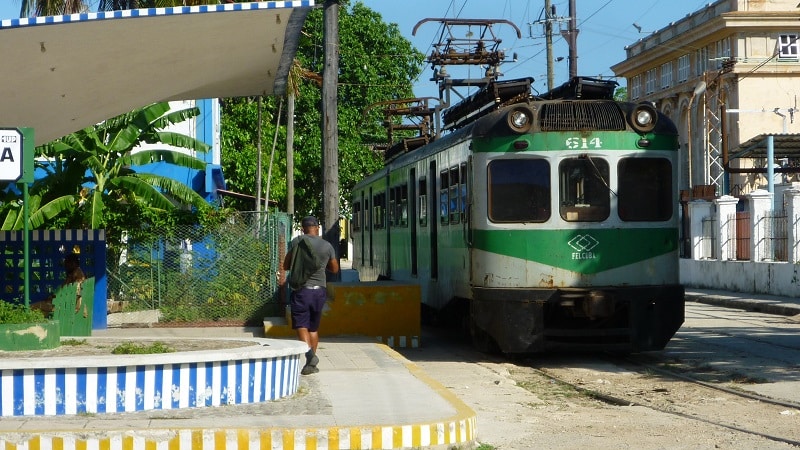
pixel 792 199
pixel 726 227
pixel 698 211
pixel 760 205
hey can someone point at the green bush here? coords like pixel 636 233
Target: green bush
pixel 132 348
pixel 13 313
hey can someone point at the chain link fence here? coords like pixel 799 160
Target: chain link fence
pixel 229 274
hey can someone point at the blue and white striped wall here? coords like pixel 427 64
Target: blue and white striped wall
pixel 149 12
pixel 127 383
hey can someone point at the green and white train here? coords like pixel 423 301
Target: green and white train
pixel 542 223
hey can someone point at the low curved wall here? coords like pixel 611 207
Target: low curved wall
pixel 261 370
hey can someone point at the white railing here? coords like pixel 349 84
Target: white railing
pixel 755 249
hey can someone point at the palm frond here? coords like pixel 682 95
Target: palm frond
pixel 175 189
pixel 125 138
pixel 144 117
pixel 97 206
pixel 182 141
pixel 141 187
pixel 52 209
pixel 172 157
pixel 174 117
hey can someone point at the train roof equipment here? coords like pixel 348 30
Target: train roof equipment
pixel 583 88
pixel 419 117
pixel 480 46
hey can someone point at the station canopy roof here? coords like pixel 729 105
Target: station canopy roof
pixel 63 73
pixel 783 146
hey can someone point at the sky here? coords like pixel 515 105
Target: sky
pixel 605 28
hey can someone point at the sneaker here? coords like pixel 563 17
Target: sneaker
pixel 308 370
pixel 312 360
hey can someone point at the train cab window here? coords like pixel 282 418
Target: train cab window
pixel 356 216
pixel 444 202
pixel 519 190
pixel 423 202
pixel 584 192
pixel 453 197
pixel 645 189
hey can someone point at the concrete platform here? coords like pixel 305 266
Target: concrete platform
pixel 365 396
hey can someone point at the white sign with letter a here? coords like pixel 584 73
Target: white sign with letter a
pixel 10 154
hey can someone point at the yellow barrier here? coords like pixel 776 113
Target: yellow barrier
pixel 386 310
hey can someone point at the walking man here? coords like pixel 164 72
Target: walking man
pixel 310 292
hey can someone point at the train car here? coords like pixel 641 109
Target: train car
pixel 540 222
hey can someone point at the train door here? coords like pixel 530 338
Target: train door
pixel 412 217
pixel 387 224
pixel 369 223
pixel 363 226
pixel 434 221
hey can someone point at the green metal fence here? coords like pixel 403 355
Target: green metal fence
pixel 229 274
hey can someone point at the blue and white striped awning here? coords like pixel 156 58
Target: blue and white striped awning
pixel 63 73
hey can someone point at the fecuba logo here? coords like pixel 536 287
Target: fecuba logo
pixel 583 245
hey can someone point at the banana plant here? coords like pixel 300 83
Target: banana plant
pixel 95 166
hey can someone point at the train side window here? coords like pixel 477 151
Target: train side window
pixel 519 190
pixel 444 185
pixel 402 205
pixel 392 205
pixel 423 202
pixel 645 189
pixel 584 192
pixel 356 216
pixel 455 209
pixel 378 210
pixel 463 191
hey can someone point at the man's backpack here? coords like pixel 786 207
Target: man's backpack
pixel 305 261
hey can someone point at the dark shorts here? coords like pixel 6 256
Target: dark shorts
pixel 307 305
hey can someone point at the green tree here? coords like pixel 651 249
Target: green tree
pixel 376 63
pixel 621 94
pixel 112 5
pixel 31 8
pixel 92 169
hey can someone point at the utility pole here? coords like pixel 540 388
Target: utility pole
pixel 258 159
pixel 330 126
pixel 549 15
pixel 571 36
pixel 290 152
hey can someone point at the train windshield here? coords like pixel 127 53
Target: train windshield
pixel 519 190
pixel 584 193
pixel 645 189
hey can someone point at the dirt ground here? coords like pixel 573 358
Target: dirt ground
pixel 518 408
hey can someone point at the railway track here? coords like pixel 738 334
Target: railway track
pixel 640 380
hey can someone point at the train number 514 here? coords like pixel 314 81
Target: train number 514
pixel 583 143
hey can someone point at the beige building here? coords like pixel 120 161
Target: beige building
pixel 729 76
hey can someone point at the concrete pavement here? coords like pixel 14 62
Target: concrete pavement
pixel 768 304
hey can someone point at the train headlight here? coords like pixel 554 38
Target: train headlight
pixel 644 117
pixel 520 119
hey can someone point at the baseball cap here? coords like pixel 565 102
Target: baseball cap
pixel 310 221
